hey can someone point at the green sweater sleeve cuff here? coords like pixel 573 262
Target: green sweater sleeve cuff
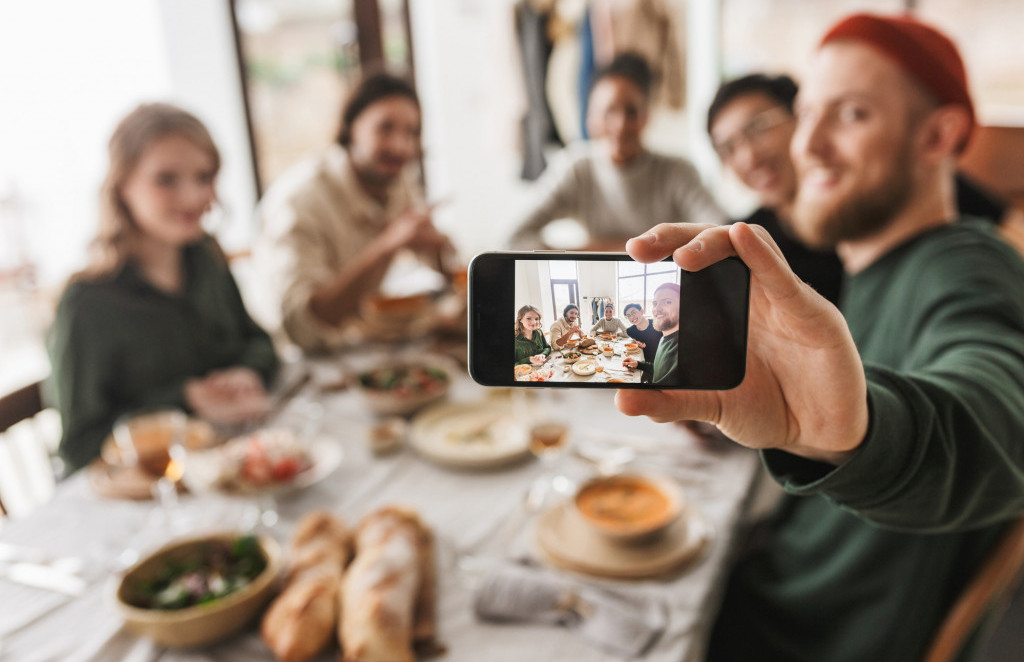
pixel 870 476
pixel 170 395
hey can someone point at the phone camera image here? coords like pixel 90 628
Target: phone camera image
pixel 603 320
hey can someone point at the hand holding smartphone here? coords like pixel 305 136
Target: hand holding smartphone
pixel 602 320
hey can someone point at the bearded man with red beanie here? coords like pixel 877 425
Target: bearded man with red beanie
pixel 896 426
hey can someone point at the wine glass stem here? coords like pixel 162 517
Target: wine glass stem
pixel 166 492
pixel 268 510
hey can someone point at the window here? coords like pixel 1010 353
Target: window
pixel 301 58
pixel 565 286
pixel 637 282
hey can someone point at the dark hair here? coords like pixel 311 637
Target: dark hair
pixel 625 311
pixel 565 311
pixel 370 90
pixel 629 66
pixel 781 89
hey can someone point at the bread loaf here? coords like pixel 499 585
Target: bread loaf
pixel 299 623
pixel 388 591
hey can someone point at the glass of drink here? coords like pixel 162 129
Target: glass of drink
pixel 549 443
pixel 152 441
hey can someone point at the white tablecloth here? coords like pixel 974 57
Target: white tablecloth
pixel 612 367
pixel 41 626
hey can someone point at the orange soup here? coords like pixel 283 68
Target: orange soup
pixel 624 503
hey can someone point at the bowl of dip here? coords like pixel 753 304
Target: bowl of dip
pixel 629 508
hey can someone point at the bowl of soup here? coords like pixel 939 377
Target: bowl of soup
pixel 629 508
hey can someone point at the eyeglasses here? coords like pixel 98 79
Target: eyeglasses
pixel 753 132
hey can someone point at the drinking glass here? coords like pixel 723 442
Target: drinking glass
pixel 153 441
pixel 549 443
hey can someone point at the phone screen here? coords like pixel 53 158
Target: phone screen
pixel 596 320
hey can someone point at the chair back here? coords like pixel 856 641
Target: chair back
pixel 27 432
pixel 989 591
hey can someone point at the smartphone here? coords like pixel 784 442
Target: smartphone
pixel 603 320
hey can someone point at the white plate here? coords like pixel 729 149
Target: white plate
pixel 584 368
pixel 204 469
pixel 470 435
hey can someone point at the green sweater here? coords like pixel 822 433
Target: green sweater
pixel 121 344
pixel 665 361
pixel 866 558
pixel 525 348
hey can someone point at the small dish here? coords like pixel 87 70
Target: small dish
pixel 523 372
pixel 388 435
pixel 235 469
pixel 584 368
pixel 629 508
pixel 403 388
pixel 470 435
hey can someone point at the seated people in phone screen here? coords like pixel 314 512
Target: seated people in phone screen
pixel 642 331
pixel 565 327
pixel 645 335
pixel 666 320
pixel 609 323
pixel 530 344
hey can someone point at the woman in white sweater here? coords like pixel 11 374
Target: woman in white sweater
pixel 613 185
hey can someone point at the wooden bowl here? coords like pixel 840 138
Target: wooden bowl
pixel 201 624
pixel 629 508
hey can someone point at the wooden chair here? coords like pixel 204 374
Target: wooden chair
pixel 27 471
pixel 20 405
pixel 988 591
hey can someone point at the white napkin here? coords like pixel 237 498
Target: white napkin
pixel 620 624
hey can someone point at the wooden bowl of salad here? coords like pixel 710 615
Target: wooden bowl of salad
pixel 402 389
pixel 201 590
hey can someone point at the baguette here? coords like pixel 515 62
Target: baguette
pixel 388 594
pixel 299 623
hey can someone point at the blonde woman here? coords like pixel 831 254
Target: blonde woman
pixel 155 319
pixel 530 344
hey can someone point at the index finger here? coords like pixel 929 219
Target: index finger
pixel 660 241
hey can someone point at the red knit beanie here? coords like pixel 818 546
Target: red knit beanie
pixel 926 54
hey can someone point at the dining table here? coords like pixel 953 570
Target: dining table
pixel 466 507
pixel 610 363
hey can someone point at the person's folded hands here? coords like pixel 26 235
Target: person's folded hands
pixel 227 396
pixel 237 380
pixel 804 390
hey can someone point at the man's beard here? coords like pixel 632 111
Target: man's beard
pixel 665 323
pixel 859 214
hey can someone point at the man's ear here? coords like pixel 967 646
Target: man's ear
pixel 944 132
